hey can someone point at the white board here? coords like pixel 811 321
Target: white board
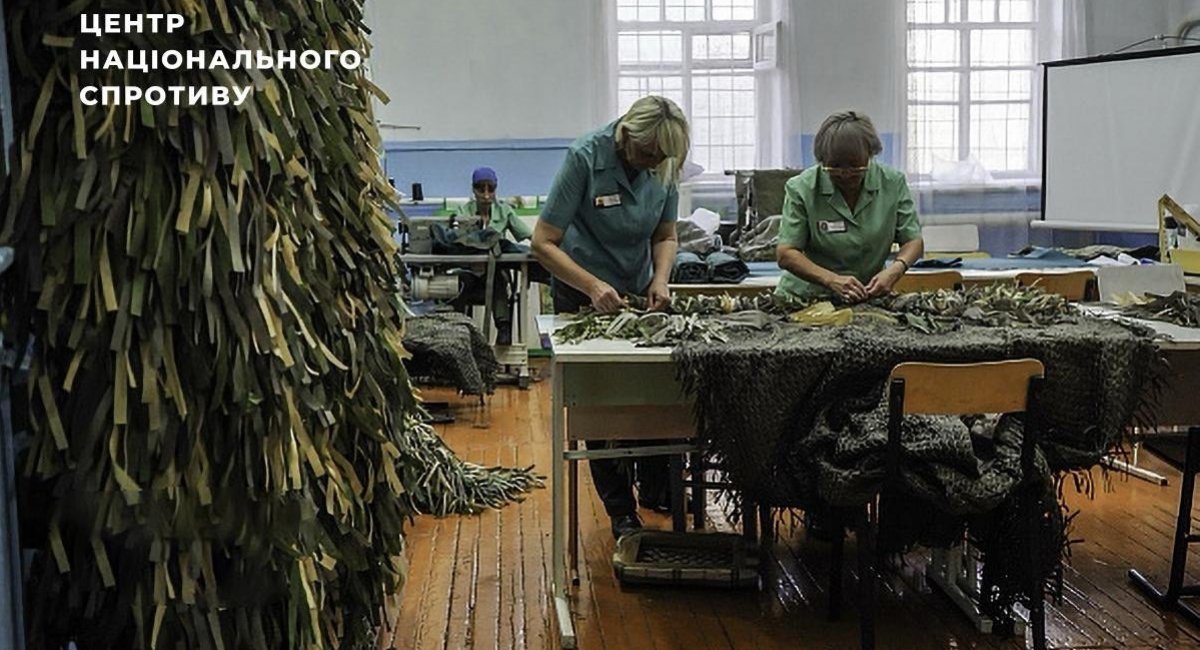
pixel 1120 132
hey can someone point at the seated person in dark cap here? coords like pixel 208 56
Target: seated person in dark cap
pixel 485 211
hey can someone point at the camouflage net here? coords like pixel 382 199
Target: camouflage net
pixel 796 418
pixel 448 350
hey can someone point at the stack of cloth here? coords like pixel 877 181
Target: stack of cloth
pixel 717 267
pixel 448 350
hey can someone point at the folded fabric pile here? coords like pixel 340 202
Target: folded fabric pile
pixel 689 269
pixel 725 268
pixel 717 267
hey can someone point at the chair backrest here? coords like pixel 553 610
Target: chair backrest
pixel 1158 279
pixel 1072 285
pixel 967 388
pixel 956 238
pixel 931 281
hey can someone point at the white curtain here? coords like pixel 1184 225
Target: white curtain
pixel 776 105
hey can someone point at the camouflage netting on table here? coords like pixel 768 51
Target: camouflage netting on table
pixel 797 418
pixel 448 350
pixel 759 397
pixel 225 450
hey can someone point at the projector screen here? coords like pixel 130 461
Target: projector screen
pixel 1119 132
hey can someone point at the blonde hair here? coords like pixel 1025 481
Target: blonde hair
pixel 847 132
pixel 655 121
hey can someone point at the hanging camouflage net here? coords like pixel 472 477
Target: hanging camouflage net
pixel 225 445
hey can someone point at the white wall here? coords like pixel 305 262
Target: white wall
pixel 471 70
pixel 1113 24
pixel 847 56
pixel 1180 11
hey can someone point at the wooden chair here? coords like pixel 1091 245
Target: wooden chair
pixel 1072 285
pixel 937 389
pixel 920 281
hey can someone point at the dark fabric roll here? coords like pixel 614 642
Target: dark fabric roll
pixel 725 268
pixel 689 269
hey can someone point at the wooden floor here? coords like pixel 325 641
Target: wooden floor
pixel 483 582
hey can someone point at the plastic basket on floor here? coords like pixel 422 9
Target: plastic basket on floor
pixel 653 557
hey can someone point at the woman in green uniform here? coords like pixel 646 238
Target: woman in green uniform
pixel 842 215
pixel 484 211
pixel 607 232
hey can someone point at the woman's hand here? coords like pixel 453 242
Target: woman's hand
pixel 882 283
pixel 605 299
pixel 658 296
pixel 848 288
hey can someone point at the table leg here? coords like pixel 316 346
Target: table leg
pixel 562 608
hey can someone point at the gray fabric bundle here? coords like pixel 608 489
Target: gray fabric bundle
pixel 448 350
pixel 689 269
pixel 725 268
pixel 692 238
pixel 758 243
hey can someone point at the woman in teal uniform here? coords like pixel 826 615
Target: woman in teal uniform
pixel 607 232
pixel 842 215
pixel 484 211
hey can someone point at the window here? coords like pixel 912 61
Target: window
pixel 971 71
pixel 696 53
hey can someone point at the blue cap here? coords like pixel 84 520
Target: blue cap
pixel 483 174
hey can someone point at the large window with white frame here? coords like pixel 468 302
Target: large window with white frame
pixel 696 53
pixel 971 71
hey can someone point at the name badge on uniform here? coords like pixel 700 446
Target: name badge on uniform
pixel 831 226
pixel 608 201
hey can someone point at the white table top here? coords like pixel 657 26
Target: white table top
pixel 482 258
pixel 1174 336
pixel 596 350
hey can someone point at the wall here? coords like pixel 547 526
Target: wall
pixel 1113 24
pixel 845 57
pixel 507 84
pixel 511 88
pixel 1181 10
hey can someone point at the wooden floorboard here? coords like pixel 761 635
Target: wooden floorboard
pixel 484 581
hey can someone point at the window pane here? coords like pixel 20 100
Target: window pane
pixel 1000 136
pixel 1002 47
pixel 741 45
pixel 723 125
pixel 933 86
pixel 631 87
pixel 981 11
pixel 932 135
pixel 690 10
pixel 649 47
pixel 721 47
pixel 1001 85
pixel 638 10
pixel 927 11
pixel 932 47
pixel 1016 11
pixel 733 9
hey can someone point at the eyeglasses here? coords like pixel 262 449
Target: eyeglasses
pixel 484 187
pixel 844 171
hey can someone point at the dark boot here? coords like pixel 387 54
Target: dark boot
pixel 504 332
